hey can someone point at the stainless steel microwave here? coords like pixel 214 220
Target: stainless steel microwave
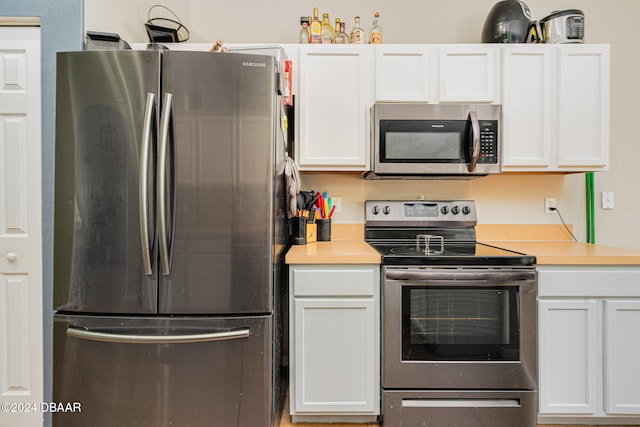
pixel 412 140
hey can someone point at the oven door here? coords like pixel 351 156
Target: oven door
pixel 459 328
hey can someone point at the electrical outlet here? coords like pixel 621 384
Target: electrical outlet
pixel 549 202
pixel 337 202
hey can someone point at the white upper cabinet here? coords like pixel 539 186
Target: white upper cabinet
pixel 555 98
pixel 436 73
pixel 404 73
pixel 527 113
pixel 582 127
pixel 468 73
pixel 332 114
pixel 555 108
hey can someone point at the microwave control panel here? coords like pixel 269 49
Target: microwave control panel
pixel 488 141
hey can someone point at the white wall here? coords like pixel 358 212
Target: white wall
pixel 501 199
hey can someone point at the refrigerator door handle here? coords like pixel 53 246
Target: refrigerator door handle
pixel 143 191
pixel 165 128
pixel 158 339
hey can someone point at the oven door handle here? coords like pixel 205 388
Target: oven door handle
pixel 467 276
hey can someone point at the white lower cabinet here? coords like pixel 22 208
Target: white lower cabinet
pixel 334 343
pixel 622 356
pixel 589 344
pixel 569 359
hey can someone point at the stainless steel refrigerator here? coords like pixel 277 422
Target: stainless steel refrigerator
pixel 169 239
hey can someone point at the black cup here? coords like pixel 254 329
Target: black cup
pixel 298 230
pixel 324 230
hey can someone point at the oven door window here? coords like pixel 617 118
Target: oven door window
pixel 465 324
pixel 423 141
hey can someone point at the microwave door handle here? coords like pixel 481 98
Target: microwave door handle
pixel 475 144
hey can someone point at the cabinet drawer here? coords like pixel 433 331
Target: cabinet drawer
pixel 335 280
pixel 596 281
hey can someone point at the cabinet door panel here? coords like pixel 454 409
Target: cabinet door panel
pixel 622 347
pixel 583 106
pixel 568 356
pixel 334 365
pixel 527 114
pixel 403 73
pixel 332 108
pixel 468 74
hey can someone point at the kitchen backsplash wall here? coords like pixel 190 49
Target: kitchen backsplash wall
pixel 508 199
pixel 500 199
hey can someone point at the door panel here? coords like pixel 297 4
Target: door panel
pixel 223 158
pixel 210 383
pixel 20 227
pixel 101 101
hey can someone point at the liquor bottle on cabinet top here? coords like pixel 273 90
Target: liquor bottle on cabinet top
pixel 358 35
pixel 327 29
pixel 315 28
pixel 304 32
pixel 375 34
pixel 341 37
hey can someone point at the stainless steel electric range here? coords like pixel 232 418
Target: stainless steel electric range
pixel 459 319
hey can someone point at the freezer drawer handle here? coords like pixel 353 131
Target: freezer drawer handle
pixel 143 191
pixel 157 339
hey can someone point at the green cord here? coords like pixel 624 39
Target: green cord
pixel 591 226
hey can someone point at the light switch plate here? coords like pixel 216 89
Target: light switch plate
pixel 608 200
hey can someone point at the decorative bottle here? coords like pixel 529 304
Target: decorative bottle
pixel 315 28
pixel 375 34
pixel 327 29
pixel 341 37
pixel 358 35
pixel 304 30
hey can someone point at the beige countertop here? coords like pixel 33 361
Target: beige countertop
pixel 333 252
pixel 572 253
pixel 348 247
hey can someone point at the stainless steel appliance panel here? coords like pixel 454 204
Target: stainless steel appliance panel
pixel 423 130
pixel 471 408
pixel 215 186
pixel 148 372
pixel 501 370
pixel 104 206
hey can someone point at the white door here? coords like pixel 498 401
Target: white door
pixel 333 108
pixel 21 377
pixel 334 362
pixel 622 346
pixel 568 356
pixel 582 117
pixel 468 73
pixel 527 89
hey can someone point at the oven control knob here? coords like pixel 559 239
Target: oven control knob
pixel 386 210
pixel 444 210
pixel 376 210
pixel 455 210
pixel 466 210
